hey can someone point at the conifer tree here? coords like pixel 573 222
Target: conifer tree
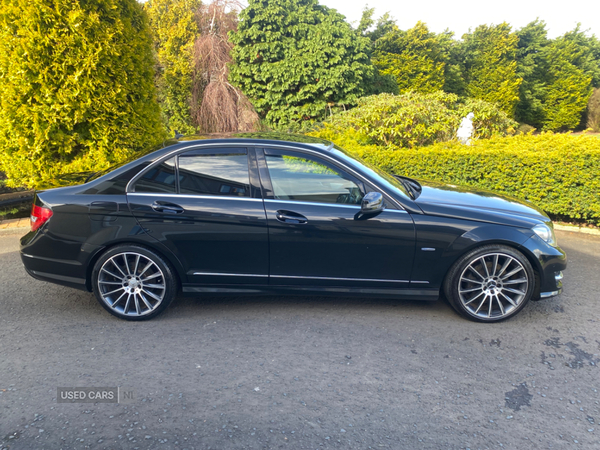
pixel 76 86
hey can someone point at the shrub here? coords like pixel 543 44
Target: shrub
pixel 416 119
pixel 525 129
pixel 557 172
pixel 76 86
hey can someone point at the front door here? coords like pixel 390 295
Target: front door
pixel 317 235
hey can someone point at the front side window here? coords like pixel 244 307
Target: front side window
pixel 214 174
pixel 301 178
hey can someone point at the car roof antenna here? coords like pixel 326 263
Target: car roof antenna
pixel 178 134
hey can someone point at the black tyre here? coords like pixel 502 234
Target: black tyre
pixel 490 283
pixel 133 282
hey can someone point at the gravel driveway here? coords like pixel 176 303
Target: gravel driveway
pixel 300 372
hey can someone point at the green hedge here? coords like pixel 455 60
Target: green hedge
pixel 560 173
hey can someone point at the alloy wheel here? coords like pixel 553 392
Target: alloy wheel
pixel 493 285
pixel 131 284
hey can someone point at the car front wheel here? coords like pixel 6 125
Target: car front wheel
pixel 133 283
pixel 490 284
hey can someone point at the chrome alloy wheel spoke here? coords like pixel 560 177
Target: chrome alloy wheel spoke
pixel 497 293
pixel 137 286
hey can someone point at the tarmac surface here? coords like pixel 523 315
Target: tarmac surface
pixel 301 372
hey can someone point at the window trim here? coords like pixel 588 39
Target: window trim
pixel 259 151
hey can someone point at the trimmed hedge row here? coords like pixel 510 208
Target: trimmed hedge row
pixel 560 173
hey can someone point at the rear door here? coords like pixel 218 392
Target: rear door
pixel 205 206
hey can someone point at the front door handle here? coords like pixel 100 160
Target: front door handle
pixel 167 208
pixel 290 217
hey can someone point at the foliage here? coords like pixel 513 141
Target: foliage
pixel 379 83
pixel 297 61
pixel 533 68
pixel 593 111
pixel 490 67
pixel 587 56
pixel 384 25
pixel 221 107
pixel 569 87
pixel 76 86
pixel 175 29
pixel 525 129
pixel 415 58
pixel 416 119
pixel 454 81
pixel 557 172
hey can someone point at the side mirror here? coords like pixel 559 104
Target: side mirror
pixel 372 203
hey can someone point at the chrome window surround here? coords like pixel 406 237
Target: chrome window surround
pixel 247 146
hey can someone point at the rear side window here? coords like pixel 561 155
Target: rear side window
pixel 214 174
pixel 160 178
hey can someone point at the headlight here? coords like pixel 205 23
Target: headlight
pixel 546 233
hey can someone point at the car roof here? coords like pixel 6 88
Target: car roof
pixel 256 138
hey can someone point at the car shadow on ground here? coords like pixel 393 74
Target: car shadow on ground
pixel 189 306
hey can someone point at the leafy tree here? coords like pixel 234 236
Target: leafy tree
pixel 175 30
pixel 587 57
pixel 415 58
pixel 490 67
pixel 569 87
pixel 297 60
pixel 532 67
pixel 379 83
pixel 384 25
pixel 454 67
pixel 76 86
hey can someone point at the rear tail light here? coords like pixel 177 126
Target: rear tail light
pixel 39 216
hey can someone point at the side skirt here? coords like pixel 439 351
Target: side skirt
pixel 407 294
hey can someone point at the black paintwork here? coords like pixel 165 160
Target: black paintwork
pixel 337 248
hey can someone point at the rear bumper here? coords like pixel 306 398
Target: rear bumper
pixel 37 268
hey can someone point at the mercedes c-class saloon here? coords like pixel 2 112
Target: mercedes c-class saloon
pixel 286 215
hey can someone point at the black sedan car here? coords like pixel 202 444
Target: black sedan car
pixel 257 214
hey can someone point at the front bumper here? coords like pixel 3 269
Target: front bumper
pixel 549 263
pixel 558 276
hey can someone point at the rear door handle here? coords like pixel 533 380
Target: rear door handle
pixel 167 208
pixel 290 217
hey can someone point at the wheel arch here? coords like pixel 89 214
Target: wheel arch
pixel 515 245
pixel 171 259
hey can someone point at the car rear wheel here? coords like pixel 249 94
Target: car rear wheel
pixel 133 283
pixel 490 284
